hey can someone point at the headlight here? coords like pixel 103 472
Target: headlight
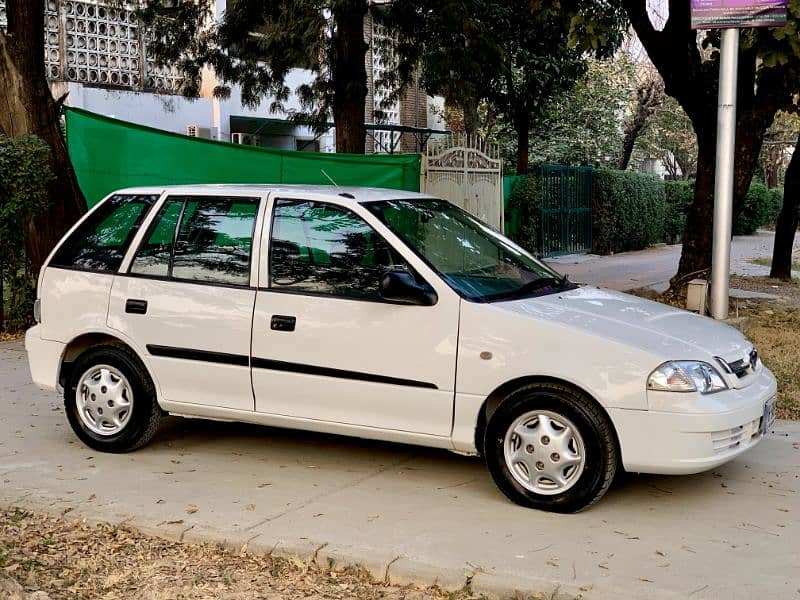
pixel 686 376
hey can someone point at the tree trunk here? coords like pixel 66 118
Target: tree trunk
pixel 697 238
pixel 522 128
pixel 471 118
pixel 29 107
pixel 787 220
pixel 750 131
pixel 349 76
pixel 650 96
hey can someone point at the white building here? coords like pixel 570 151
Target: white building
pixel 96 51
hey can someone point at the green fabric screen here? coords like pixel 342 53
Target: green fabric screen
pixel 109 154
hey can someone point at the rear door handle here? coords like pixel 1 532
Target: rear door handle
pixel 136 307
pixel 282 323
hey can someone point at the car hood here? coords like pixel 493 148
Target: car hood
pixel 671 333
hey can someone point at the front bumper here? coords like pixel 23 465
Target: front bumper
pixel 44 358
pixel 679 443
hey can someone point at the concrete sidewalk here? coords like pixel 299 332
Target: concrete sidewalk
pixel 654 266
pixel 414 513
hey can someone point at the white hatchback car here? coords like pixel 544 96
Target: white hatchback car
pixel 388 315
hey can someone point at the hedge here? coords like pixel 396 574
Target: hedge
pixel 24 177
pixel 678 196
pixel 628 210
pixel 631 211
pixel 776 203
pixel 756 210
pixel 523 213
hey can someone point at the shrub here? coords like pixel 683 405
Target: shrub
pixel 775 205
pixel 678 197
pixel 524 213
pixel 756 211
pixel 628 210
pixel 24 176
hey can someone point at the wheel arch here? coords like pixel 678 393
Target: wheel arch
pixel 84 342
pixel 505 390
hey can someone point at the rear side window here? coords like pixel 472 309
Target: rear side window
pixel 100 242
pixel 200 238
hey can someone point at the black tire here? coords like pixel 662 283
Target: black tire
pixel 145 414
pixel 594 427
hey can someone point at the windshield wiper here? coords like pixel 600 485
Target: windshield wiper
pixel 542 282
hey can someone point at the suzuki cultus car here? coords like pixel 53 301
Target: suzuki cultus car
pixel 387 315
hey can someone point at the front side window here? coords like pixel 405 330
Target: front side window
pixel 200 238
pixel 100 242
pixel 476 261
pixel 325 249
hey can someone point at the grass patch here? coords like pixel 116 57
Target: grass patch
pixel 775 332
pixel 767 262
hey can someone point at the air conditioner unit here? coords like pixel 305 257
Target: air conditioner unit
pixel 198 132
pixel 246 138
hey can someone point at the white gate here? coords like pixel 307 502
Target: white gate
pixel 468 172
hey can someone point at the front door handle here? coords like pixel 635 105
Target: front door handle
pixel 282 323
pixel 136 307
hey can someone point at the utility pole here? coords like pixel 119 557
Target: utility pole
pixel 723 184
pixel 729 16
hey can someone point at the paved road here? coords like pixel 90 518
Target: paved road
pixel 420 513
pixel 654 266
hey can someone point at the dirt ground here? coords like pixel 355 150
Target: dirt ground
pixel 55 557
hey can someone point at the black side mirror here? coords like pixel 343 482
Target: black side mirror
pixel 401 287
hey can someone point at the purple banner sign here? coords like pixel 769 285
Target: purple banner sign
pixel 725 14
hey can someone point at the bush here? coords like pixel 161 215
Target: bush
pixel 756 211
pixel 628 210
pixel 524 213
pixel 678 196
pixel 24 176
pixel 775 205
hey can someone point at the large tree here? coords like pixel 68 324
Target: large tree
pixel 29 108
pixel 583 126
pixel 258 42
pixel 670 138
pixel 769 67
pixel 515 55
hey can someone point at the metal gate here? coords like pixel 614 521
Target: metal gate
pixel 566 210
pixel 468 172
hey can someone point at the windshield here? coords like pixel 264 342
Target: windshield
pixel 476 261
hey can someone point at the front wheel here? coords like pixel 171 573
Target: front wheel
pixel 110 400
pixel 550 447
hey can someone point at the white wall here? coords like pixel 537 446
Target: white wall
pixel 168 112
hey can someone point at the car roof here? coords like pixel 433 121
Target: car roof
pixel 343 194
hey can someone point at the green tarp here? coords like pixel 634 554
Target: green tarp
pixel 109 154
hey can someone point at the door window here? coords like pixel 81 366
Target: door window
pixel 206 239
pixel 100 242
pixel 325 249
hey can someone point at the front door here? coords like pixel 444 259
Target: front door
pixel 186 299
pixel 326 347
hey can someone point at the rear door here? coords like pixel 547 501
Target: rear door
pixel 187 299
pixel 327 348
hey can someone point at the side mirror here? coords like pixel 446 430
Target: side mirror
pixel 401 287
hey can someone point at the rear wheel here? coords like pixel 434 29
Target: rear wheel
pixel 550 447
pixel 110 400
